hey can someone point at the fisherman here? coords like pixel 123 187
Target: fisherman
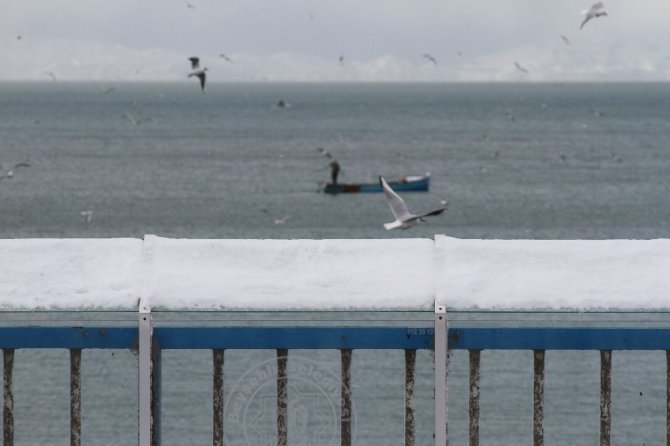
pixel 334 165
pixel 334 171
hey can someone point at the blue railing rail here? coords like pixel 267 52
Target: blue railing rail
pixel 149 340
pixel 539 339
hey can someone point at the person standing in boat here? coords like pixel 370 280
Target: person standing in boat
pixel 333 165
pixel 334 171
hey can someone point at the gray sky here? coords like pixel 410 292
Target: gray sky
pixel 380 40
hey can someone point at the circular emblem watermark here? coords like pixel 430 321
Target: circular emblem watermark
pixel 313 406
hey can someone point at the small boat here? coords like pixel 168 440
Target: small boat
pixel 408 183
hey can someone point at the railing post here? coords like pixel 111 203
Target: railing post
pixel 474 397
pixel 667 398
pixel 8 410
pixel 345 397
pixel 149 381
pixel 605 396
pixel 538 397
pixel 410 399
pixel 440 333
pixel 217 399
pixel 75 397
pixel 282 397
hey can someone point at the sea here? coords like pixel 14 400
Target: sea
pixel 513 161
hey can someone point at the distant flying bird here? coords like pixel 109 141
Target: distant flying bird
pixel 53 76
pixel 341 59
pixel 9 173
pixel 519 67
pixel 565 39
pixel 197 71
pixel 277 220
pixel 226 58
pixel 430 58
pixel 190 5
pixel 87 216
pixel 592 13
pixel 324 152
pixel 403 218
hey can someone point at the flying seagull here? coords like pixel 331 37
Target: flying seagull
pixel 593 13
pixel 197 71
pixel 87 216
pixel 520 67
pixel 403 218
pixel 565 39
pixel 9 173
pixel 53 76
pixel 324 152
pixel 226 58
pixel 430 58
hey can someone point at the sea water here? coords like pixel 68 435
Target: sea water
pixel 532 161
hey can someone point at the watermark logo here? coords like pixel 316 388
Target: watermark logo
pixel 313 405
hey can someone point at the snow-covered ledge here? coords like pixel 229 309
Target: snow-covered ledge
pixel 396 274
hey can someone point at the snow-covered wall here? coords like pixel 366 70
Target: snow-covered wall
pixel 399 274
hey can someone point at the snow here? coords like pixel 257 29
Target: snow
pixel 553 274
pixel 290 274
pixel 390 274
pixel 41 274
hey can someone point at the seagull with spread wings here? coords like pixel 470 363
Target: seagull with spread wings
pixel 520 67
pixel 403 217
pixel 430 58
pixel 198 72
pixel 594 12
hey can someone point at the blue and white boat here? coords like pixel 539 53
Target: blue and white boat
pixel 408 183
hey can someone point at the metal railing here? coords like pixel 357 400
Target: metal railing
pixel 152 335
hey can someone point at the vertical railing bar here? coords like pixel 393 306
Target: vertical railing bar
pixel 282 397
pixel 474 397
pixel 441 370
pixel 8 409
pixel 410 399
pixel 538 397
pixel 345 397
pixel 605 397
pixel 144 378
pixel 156 393
pixel 217 397
pixel 75 397
pixel 667 398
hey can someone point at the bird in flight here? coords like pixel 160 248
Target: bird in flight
pixel 226 58
pixel 403 217
pixel 197 71
pixel 9 173
pixel 520 67
pixel 592 13
pixel 430 58
pixel 565 39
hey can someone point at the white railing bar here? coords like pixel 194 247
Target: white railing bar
pixel 441 370
pixel 145 377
